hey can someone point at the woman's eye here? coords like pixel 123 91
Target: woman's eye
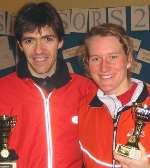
pixel 95 59
pixel 113 57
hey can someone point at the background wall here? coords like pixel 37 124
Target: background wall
pixel 14 5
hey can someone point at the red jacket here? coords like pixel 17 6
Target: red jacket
pixel 97 134
pixel 45 135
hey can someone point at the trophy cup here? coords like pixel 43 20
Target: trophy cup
pixel 8 156
pixel 131 149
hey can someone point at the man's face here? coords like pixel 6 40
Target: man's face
pixel 40 49
pixel 108 64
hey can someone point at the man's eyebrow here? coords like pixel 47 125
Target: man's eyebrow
pixel 26 38
pixel 44 36
pixel 49 35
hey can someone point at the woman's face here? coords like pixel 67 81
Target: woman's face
pixel 108 64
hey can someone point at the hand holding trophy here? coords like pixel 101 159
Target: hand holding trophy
pixel 8 156
pixel 131 149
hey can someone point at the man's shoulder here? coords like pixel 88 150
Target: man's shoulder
pixel 78 77
pixel 9 79
pixel 81 80
pixel 84 84
pixel 8 76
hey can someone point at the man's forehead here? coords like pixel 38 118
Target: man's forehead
pixel 42 31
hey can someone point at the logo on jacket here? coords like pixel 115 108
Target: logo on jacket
pixel 75 119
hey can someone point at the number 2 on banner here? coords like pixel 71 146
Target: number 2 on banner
pixel 139 18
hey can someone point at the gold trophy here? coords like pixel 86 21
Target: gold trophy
pixel 8 156
pixel 131 149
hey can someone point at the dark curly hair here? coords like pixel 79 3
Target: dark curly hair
pixel 37 15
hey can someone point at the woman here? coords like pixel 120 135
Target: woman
pixel 109 117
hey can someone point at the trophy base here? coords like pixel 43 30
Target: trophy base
pixel 8 165
pixel 128 151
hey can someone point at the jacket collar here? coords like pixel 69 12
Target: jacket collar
pixel 57 80
pixel 96 102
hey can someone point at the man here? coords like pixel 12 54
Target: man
pixel 109 117
pixel 42 94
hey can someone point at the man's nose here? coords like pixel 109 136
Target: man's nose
pixel 38 47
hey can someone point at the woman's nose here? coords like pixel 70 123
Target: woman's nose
pixel 104 65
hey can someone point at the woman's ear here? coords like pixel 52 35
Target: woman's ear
pixel 128 65
pixel 130 60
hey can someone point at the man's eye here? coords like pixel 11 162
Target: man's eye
pixel 49 39
pixel 28 41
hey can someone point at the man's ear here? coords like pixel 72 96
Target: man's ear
pixel 60 44
pixel 20 46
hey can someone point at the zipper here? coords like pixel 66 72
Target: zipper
pixel 115 122
pixel 48 126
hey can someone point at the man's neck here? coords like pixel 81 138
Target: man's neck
pixel 43 75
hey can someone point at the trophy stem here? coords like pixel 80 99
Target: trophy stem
pixel 134 139
pixel 141 114
pixel 3 142
pixel 7 156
